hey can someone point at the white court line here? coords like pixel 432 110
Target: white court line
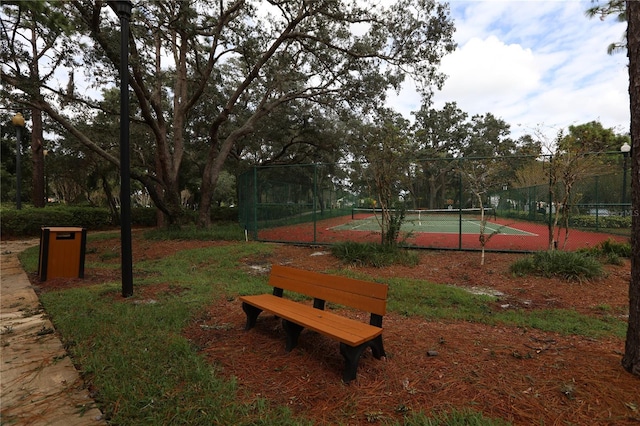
pixel 497 230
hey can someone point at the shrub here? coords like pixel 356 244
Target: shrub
pixel 144 216
pixel 610 247
pixel 373 254
pixel 224 214
pixel 29 221
pixel 220 231
pixel 590 221
pixel 567 265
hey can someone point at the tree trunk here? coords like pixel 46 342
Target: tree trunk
pixel 37 160
pixel 37 150
pixel 433 191
pixel 113 208
pixel 631 359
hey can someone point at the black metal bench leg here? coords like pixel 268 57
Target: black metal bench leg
pixel 377 348
pixel 252 314
pixel 351 356
pixel 293 331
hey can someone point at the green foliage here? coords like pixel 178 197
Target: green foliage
pixel 223 231
pixel 29 259
pixel 350 63
pixel 612 247
pixel 531 216
pixel 581 221
pixel 144 216
pixel 28 221
pixel 609 251
pixel 593 222
pixel 567 265
pixel 373 254
pixel 225 214
pixel 564 321
pixel 436 301
pixel 396 219
pixel 368 203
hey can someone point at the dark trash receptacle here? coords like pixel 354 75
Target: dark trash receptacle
pixel 62 252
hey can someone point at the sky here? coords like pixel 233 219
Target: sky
pixel 540 65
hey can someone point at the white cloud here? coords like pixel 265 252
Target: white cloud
pixel 535 63
pixel 489 71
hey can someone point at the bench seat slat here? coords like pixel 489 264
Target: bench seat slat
pixel 345 330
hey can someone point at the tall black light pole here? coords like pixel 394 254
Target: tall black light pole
pixel 18 122
pixel 625 149
pixel 123 10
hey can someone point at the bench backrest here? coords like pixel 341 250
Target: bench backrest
pixel 364 295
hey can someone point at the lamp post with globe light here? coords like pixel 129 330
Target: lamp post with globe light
pixel 625 149
pixel 18 122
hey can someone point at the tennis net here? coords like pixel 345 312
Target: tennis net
pixel 419 215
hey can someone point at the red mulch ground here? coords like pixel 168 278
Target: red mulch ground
pixel 521 375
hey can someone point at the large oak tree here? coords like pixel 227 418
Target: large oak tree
pixel 235 63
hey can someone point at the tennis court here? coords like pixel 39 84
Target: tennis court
pixel 513 235
pixel 310 203
pixel 441 221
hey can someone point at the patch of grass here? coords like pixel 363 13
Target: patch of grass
pixel 436 301
pixel 431 301
pixel 571 266
pixel 371 254
pixel 135 355
pixel 111 254
pixel 29 259
pixel 213 268
pixel 564 321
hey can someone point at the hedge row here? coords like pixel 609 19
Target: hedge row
pixel 575 221
pixel 610 222
pixel 28 221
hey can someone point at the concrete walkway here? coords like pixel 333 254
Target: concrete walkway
pixel 38 382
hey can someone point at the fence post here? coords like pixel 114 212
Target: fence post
pixel 597 205
pixel 550 218
pixel 460 206
pixel 255 203
pixel 315 198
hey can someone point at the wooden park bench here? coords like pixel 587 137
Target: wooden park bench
pixel 354 336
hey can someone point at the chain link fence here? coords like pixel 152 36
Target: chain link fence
pixel 444 200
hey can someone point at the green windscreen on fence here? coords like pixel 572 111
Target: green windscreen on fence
pixel 444 207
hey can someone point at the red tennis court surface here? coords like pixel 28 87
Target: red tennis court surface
pixel 324 232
